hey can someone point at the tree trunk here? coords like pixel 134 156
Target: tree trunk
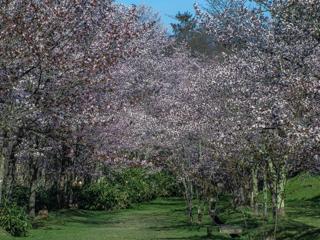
pixel 278 183
pixel 254 190
pixel 60 191
pixel 273 188
pixel 2 174
pixel 32 200
pixel 265 192
pixel 200 213
pixel 11 173
pixel 3 162
pixel 201 208
pixel 281 191
pixel 33 189
pixel 189 196
pixel 242 195
pixel 10 163
pixel 62 180
pixel 213 212
pixel 190 205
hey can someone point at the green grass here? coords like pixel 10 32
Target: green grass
pixel 160 219
pixel 166 219
pixel 303 188
pixel 302 220
pixel 4 235
pixel 303 199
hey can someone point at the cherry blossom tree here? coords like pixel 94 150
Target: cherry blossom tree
pixel 55 68
pixel 270 57
pixel 86 84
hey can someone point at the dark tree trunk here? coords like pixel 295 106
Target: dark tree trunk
pixel 213 212
pixel 10 165
pixel 11 174
pixel 33 190
pixel 63 178
pixel 3 164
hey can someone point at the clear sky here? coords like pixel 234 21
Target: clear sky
pixel 166 8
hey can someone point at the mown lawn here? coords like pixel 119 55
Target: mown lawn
pixel 160 219
pixel 165 219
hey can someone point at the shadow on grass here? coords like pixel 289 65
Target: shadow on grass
pixel 215 237
pixel 75 216
pixel 312 234
pixel 248 224
pixel 289 230
pixel 178 226
pixel 77 213
pixel 165 203
pixel 93 222
pixel 297 230
pixel 305 208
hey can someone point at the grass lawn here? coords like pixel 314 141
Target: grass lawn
pixel 165 219
pixel 160 219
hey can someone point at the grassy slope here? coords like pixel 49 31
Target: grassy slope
pixel 302 220
pixel 165 219
pixel 303 206
pixel 303 199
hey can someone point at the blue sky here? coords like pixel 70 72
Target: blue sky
pixel 166 8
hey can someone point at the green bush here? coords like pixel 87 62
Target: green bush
pixel 20 195
pixel 103 195
pixel 138 184
pixel 120 189
pixel 14 219
pixel 167 185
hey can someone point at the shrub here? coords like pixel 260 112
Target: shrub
pixel 103 195
pixel 167 185
pixel 120 189
pixel 138 184
pixel 14 219
pixel 20 195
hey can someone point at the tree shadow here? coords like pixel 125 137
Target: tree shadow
pixel 312 234
pixel 165 203
pixel 215 237
pixel 75 216
pixel 305 208
pixel 288 230
pixel 180 226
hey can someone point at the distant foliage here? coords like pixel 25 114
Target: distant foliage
pixel 14 220
pixel 121 190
